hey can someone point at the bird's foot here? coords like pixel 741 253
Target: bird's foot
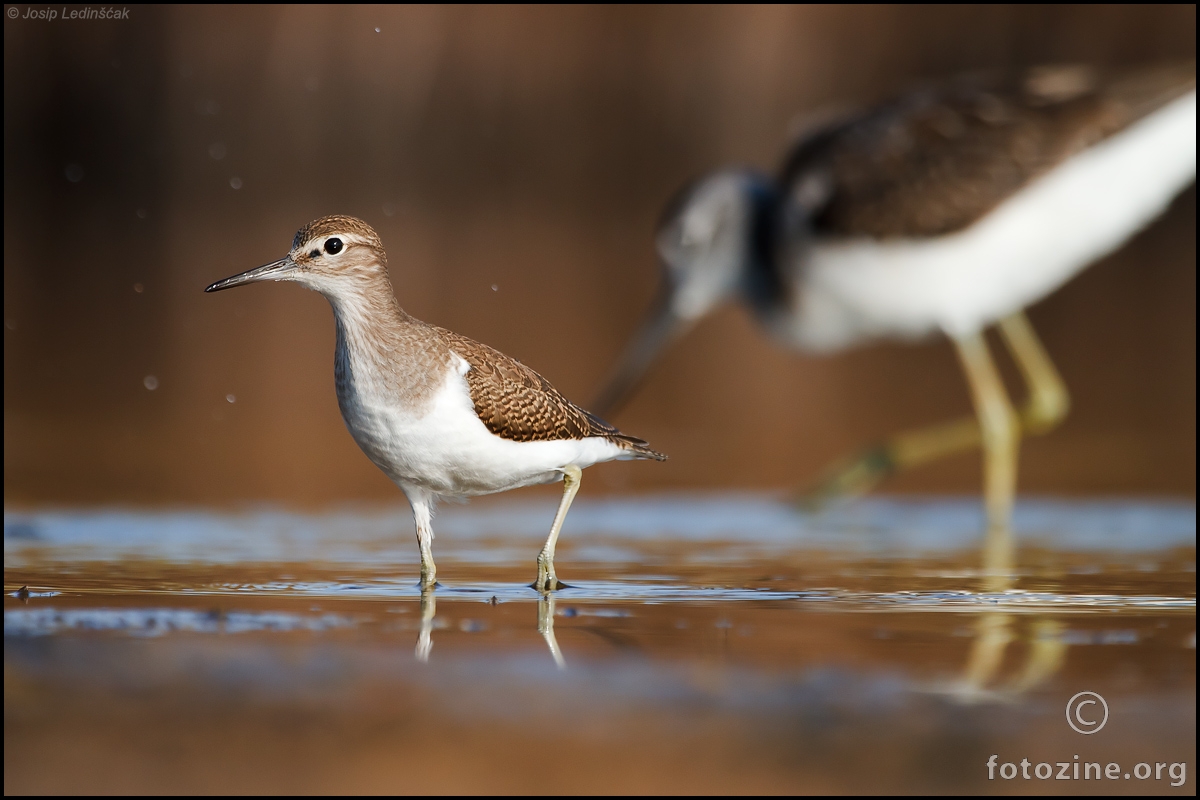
pixel 547 580
pixel 549 585
pixel 849 478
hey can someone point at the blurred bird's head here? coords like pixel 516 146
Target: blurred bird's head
pixel 713 242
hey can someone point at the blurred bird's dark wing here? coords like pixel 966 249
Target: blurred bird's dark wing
pixel 937 159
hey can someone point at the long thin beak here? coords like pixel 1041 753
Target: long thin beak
pixel 267 272
pixel 661 327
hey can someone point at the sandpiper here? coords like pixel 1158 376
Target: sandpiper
pixel 949 209
pixel 440 414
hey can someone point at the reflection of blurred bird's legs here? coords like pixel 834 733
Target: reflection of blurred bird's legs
pixel 547 580
pixel 1001 438
pixel 546 628
pixel 994 632
pixel 425 637
pixel 1044 408
pixel 1047 651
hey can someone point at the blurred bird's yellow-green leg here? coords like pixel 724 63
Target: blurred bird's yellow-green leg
pixel 546 628
pixel 859 474
pixel 1001 437
pixel 425 635
pixel 547 580
pixel 1047 402
pixel 1045 406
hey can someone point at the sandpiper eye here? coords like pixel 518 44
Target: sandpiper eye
pixel 333 246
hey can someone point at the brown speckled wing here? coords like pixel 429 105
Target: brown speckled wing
pixel 516 403
pixel 936 160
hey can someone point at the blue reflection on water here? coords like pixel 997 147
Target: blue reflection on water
pixel 610 530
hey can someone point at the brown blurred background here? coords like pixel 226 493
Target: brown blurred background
pixel 514 160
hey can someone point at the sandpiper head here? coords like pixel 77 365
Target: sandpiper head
pixel 709 241
pixel 706 240
pixel 327 255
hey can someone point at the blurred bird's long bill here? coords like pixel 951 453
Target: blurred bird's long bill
pixel 661 327
pixel 267 272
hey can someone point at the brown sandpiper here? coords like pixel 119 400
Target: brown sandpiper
pixel 948 209
pixel 442 415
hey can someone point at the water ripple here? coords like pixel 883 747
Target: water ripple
pixel 160 621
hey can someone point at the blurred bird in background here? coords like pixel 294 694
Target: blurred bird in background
pixel 951 209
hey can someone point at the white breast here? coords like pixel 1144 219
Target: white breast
pixel 447 450
pixel 1023 250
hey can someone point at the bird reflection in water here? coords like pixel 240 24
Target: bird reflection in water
pixel 545 626
pixel 994 632
pixel 428 611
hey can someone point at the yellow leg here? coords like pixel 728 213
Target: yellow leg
pixel 422 506
pixel 1001 436
pixel 1046 405
pixel 1048 402
pixel 547 580
pixel 859 474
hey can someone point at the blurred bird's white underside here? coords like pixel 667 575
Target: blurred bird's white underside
pixel 1023 250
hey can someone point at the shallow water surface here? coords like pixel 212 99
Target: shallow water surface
pixel 705 644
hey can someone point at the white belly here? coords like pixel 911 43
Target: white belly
pixel 448 451
pixel 1023 250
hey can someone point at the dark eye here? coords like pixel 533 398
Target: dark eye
pixel 333 246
